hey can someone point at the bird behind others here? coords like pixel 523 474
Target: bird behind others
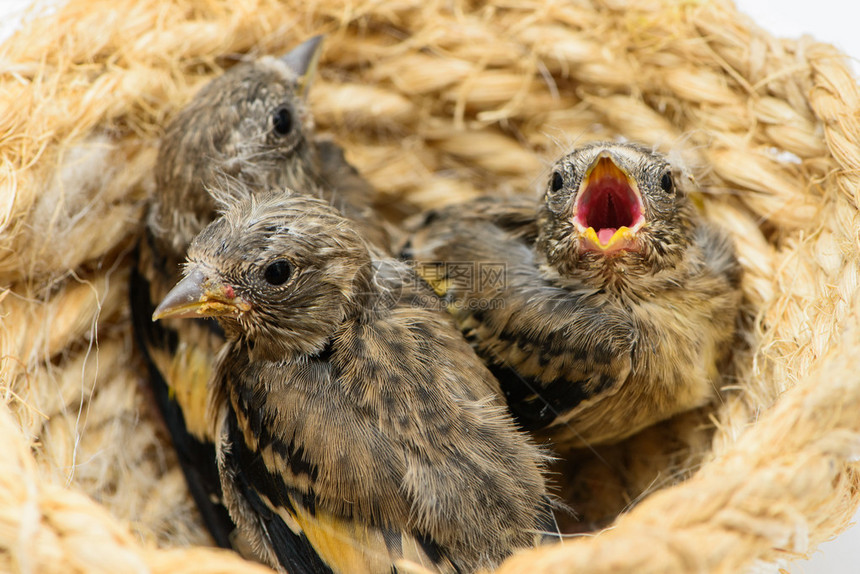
pixel 355 427
pixel 602 309
pixel 251 124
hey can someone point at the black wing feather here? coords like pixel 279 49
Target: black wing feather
pixel 293 550
pixel 196 458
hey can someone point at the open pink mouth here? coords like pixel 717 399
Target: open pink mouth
pixel 608 209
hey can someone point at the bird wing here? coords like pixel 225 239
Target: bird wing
pixel 551 347
pixel 291 530
pixel 179 356
pixel 516 215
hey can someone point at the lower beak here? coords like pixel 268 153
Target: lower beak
pixel 197 295
pixel 621 238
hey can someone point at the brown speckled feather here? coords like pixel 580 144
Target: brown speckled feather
pixel 351 412
pixel 590 345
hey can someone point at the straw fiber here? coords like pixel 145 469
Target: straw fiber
pixel 438 101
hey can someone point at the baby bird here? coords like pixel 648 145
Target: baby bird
pixel 355 427
pixel 608 307
pixel 251 124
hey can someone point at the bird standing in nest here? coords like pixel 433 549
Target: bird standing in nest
pixel 608 307
pixel 251 124
pixel 355 427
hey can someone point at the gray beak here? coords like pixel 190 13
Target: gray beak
pixel 200 296
pixel 302 59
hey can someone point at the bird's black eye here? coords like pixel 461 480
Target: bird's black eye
pixel 282 121
pixel 556 182
pixel 667 183
pixel 278 272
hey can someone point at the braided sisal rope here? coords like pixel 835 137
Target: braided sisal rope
pixel 435 101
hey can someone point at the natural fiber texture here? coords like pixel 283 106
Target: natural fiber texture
pixel 436 102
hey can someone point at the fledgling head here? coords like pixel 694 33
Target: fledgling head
pixel 613 208
pixel 281 271
pixel 252 123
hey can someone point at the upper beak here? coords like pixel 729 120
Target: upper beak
pixel 303 60
pixel 197 295
pixel 608 210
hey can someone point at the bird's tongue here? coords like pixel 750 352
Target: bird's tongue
pixel 605 234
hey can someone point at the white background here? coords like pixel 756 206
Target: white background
pixel 834 21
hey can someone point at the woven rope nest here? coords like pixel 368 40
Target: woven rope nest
pixel 437 102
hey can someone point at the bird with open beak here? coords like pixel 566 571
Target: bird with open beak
pixel 617 303
pixel 355 427
pixel 251 124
